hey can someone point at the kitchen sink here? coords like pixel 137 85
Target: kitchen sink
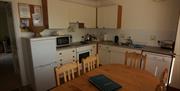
pixel 133 45
pixel 84 42
pixel 137 46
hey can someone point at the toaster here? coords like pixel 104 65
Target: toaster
pixel 167 44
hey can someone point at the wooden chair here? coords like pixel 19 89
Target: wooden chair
pixel 67 71
pixel 90 63
pixel 163 79
pixel 135 60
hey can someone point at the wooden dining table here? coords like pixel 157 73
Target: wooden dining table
pixel 130 79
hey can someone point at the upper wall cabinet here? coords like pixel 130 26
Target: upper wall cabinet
pixel 61 13
pixel 109 17
pixel 58 14
pixel 83 14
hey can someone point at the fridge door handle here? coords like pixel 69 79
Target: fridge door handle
pixel 50 64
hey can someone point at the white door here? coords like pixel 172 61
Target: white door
pixel 157 62
pixel 58 14
pixel 82 13
pixel 44 77
pixel 104 54
pixel 117 57
pixel 107 16
pixel 43 51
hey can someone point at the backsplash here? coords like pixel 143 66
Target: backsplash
pixel 144 37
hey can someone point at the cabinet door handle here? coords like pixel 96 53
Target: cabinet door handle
pixel 73 51
pixel 73 56
pixel 60 53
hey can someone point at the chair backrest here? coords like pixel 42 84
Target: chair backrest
pixel 135 60
pixel 90 63
pixel 164 75
pixel 163 79
pixel 67 71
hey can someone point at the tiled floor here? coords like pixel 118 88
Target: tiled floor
pixel 172 89
pixel 11 82
pixel 8 79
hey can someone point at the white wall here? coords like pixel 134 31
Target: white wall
pixel 143 19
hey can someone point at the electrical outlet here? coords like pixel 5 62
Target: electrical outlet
pixel 153 38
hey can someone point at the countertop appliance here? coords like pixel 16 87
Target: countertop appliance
pixel 89 37
pixel 63 40
pixel 116 39
pixel 167 44
pixel 40 59
pixel 175 78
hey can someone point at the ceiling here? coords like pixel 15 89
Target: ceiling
pixel 93 3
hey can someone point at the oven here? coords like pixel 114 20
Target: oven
pixel 83 55
pixel 83 52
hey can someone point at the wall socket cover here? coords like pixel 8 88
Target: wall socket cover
pixel 153 37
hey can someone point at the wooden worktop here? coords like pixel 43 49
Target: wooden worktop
pixel 130 79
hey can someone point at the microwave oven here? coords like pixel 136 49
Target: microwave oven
pixel 63 40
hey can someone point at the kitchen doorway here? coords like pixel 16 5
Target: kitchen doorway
pixel 9 69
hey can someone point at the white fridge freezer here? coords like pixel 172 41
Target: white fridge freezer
pixel 175 80
pixel 40 59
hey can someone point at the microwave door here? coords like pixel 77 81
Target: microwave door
pixel 63 41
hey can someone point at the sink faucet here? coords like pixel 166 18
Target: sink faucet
pixel 129 41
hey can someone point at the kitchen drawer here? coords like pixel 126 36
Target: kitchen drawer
pixel 106 47
pixel 71 55
pixel 67 60
pixel 66 51
pixel 67 57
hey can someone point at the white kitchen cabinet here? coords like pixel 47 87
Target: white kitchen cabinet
pixel 157 62
pixel 104 54
pixel 109 16
pixel 94 49
pixel 113 54
pixel 58 14
pixel 83 14
pixel 66 55
pixel 118 54
pixel 61 13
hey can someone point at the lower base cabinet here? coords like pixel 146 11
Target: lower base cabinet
pixel 117 54
pixel 112 54
pixel 104 54
pixel 157 62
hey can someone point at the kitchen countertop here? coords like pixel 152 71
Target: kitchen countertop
pixel 144 49
pixel 75 45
